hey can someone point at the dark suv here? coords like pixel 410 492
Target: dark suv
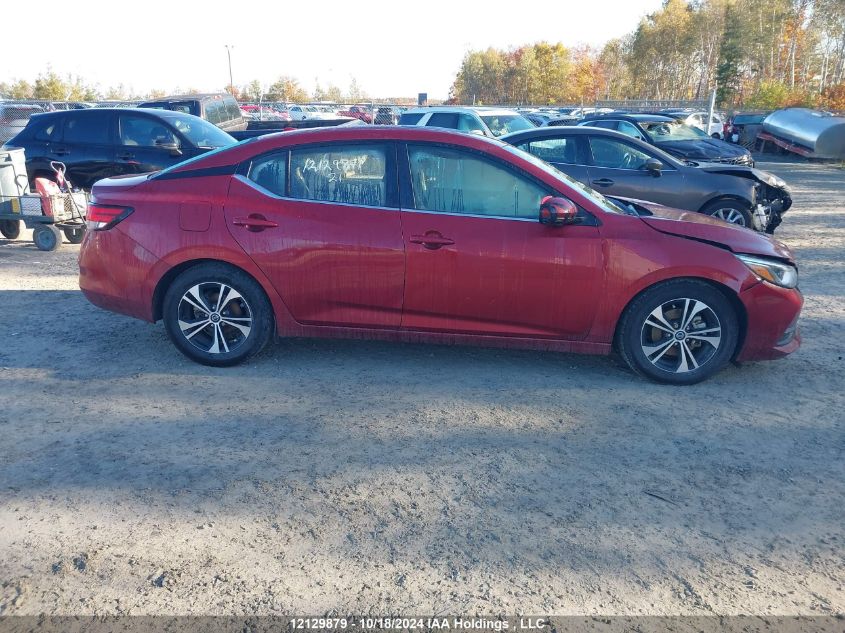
pixel 221 109
pixel 672 136
pixel 103 142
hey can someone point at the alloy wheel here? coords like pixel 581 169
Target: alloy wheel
pixel 681 335
pixel 730 215
pixel 214 317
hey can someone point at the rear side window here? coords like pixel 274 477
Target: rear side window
pixel 232 109
pixel 270 172
pixel 444 119
pixel 214 112
pixel 86 129
pixel 554 150
pixel 351 174
pixel 410 118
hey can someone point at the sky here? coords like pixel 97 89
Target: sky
pixel 392 49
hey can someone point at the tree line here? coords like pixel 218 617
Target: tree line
pixel 50 86
pixel 756 53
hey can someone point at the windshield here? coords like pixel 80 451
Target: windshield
pixel 201 133
pixel 506 123
pixel 672 131
pixel 594 196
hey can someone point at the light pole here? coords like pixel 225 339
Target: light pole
pixel 229 55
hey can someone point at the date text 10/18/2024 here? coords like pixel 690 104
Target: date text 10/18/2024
pixel 476 625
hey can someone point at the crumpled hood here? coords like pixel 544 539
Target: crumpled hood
pixel 701 149
pixel 698 226
pixel 745 171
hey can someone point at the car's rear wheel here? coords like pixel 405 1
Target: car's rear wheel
pixel 217 315
pixel 679 332
pixel 731 211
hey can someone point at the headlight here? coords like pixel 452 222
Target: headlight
pixel 771 270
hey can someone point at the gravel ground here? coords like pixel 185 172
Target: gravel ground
pixel 360 477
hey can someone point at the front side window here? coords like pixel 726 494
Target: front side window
pixel 506 123
pixel 614 154
pixel 554 150
pixel 87 129
pixel 629 129
pixel 200 132
pixel 144 132
pixel 351 174
pixel 468 123
pixel 672 131
pixel 270 172
pixel 455 181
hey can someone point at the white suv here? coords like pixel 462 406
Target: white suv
pixel 492 122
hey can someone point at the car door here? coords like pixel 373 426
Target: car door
pixel 566 152
pixel 146 143
pixel 322 222
pixel 618 168
pixel 477 259
pixel 85 146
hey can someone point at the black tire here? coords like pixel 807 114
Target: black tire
pixel 192 299
pixel 75 236
pixel 47 237
pixel 731 211
pixel 660 350
pixel 10 229
pixel 716 135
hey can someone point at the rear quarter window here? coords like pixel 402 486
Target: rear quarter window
pixel 410 119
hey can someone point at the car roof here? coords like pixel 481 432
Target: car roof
pixel 366 133
pixel 631 116
pixel 581 130
pixel 476 109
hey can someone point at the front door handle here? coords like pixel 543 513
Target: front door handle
pixel 431 240
pixel 126 156
pixel 603 182
pixel 61 151
pixel 255 222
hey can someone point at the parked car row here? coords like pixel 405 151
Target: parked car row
pixel 645 156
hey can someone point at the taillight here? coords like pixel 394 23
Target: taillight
pixel 101 217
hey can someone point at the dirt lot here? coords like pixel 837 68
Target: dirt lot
pixel 368 477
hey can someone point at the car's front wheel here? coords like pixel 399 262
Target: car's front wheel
pixel 731 211
pixel 679 332
pixel 217 315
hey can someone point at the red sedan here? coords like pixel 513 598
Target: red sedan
pixel 419 234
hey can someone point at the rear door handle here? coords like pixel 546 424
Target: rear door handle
pixel 431 240
pixel 61 151
pixel 255 223
pixel 126 156
pixel 603 182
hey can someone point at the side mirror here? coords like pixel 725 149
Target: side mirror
pixel 173 148
pixel 557 211
pixel 653 166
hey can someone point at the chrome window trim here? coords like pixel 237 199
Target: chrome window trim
pixel 474 215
